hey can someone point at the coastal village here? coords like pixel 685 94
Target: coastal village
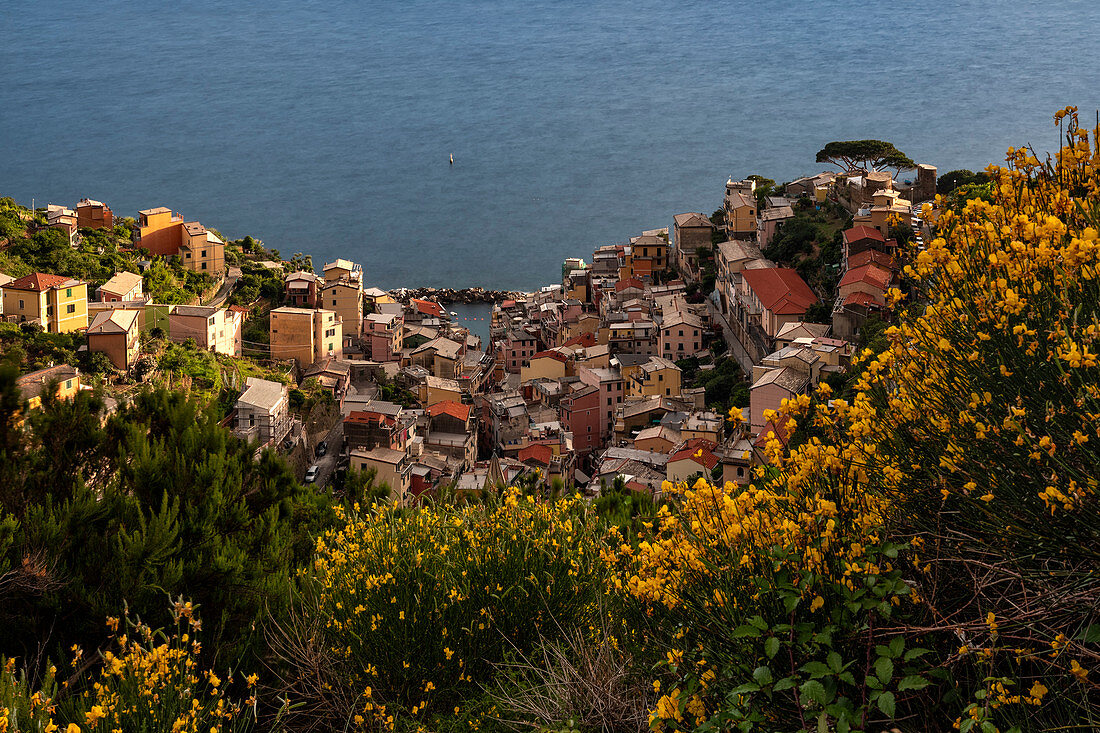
pixel 662 358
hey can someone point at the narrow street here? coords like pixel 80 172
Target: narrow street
pixel 736 349
pixel 327 463
pixel 226 288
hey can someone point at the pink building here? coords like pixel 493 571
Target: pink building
pixel 611 394
pixel 580 415
pixel 681 335
pixel 382 336
pixel 301 289
pixel 517 347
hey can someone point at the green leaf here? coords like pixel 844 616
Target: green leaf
pixel 885 703
pixel 745 689
pixel 835 662
pixel 742 631
pixel 823 723
pixel 763 675
pixel 759 622
pixel 791 602
pixel 784 684
pixel 915 652
pixel 1090 634
pixel 896 646
pixel 815 669
pixel 771 647
pixel 813 690
pixel 843 726
pixel 846 677
pixel 912 682
pixel 884 670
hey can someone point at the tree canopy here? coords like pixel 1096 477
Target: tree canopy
pixel 864 155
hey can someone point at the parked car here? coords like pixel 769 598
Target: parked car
pixel 311 474
pixel 322 448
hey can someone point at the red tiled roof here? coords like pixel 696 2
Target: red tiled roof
pixel 450 407
pixel 694 446
pixel 874 275
pixel 869 257
pixel 862 232
pixel 37 282
pixel 860 299
pixel 556 355
pixel 538 453
pixel 781 434
pixel 630 282
pixel 585 339
pixel 237 309
pixel 366 418
pixel 427 307
pixel 507 303
pixel 780 289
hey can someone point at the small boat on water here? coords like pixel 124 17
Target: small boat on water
pixel 454 314
pixel 452 158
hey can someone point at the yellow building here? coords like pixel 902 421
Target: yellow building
pixel 546 365
pixel 306 335
pixel 201 250
pixel 345 298
pixel 657 377
pixel 31 386
pixel 59 304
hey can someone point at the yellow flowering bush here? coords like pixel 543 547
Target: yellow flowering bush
pixel 417 605
pixel 147 681
pixel 24 709
pixel 954 484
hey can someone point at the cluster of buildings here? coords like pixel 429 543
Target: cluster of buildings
pixel 579 382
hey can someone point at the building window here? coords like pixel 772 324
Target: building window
pixel 68 384
pixel 70 308
pixel 203 253
pixel 204 265
pixel 21 306
pixel 68 292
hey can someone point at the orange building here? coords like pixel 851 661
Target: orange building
pixel 165 233
pixel 94 215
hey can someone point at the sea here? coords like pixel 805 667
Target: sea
pixel 328 127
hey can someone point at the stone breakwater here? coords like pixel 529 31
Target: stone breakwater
pixel 463 295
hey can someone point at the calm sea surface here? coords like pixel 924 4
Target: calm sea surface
pixel 325 127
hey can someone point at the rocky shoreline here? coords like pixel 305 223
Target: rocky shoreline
pixel 460 295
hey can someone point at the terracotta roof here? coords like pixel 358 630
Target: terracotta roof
pixel 630 282
pixel 586 340
pixel 699 450
pixel 551 354
pixel 449 407
pixel 871 256
pixel 874 275
pixel 237 309
pixel 780 289
pixel 537 453
pixel 862 232
pixel 781 435
pixel 368 418
pixel 860 299
pixel 38 282
pixel 427 307
pixel 30 385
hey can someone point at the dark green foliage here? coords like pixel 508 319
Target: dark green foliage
pixel 951 180
pixel 725 386
pixel 820 312
pixel 864 155
pixel 166 499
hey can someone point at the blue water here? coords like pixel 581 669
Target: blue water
pixel 325 127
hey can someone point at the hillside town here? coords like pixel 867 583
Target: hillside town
pixel 663 358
